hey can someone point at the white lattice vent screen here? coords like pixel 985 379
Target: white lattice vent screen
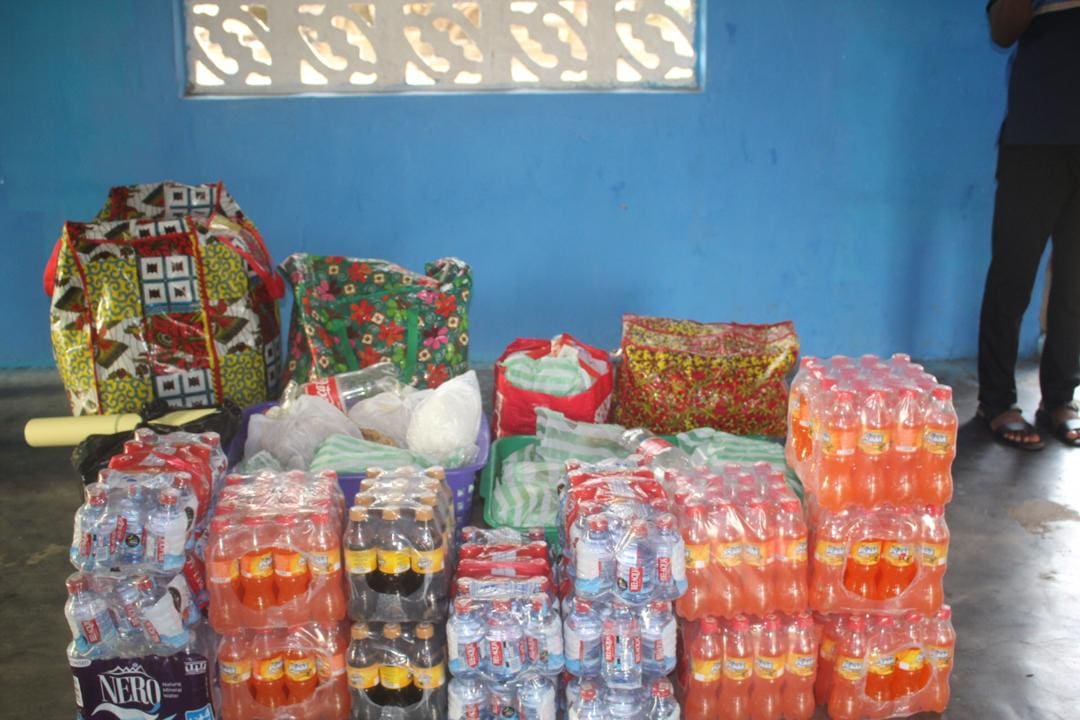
pixel 285 47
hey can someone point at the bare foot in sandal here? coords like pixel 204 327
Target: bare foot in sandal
pixel 1065 422
pixel 1011 427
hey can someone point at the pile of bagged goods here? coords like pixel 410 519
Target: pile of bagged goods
pixel 652 550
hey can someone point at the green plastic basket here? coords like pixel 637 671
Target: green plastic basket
pixel 500 450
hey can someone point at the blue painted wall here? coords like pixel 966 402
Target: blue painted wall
pixel 837 170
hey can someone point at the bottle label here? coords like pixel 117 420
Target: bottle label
pixel 429 678
pixel 360 562
pixel 393 562
pixel 934 554
pixel 461 710
pixel 706 671
pixel 224 571
pixel 85 542
pixel 394 677
pixel 755 554
pixel 866 552
pixel 631 576
pixel 801 664
pixel 937 440
pixel 329 665
pixel 663 569
pixel 363 678
pixel 795 550
pixel 91 630
pixel 234 672
pixel 882 663
pixel 940 656
pixel 728 554
pixel 505 654
pixel 874 441
pixel 737 669
pixel 907 439
pixel 832 553
pixel 289 564
pixel 257 565
pixel 325 388
pixel 898 554
pixel 532 645
pixel 268 669
pixel 851 668
pixel 429 562
pixel 575 649
pixel 911 659
pixel 325 562
pixel 300 669
pixel 769 667
pixel 697 556
pixel 471 653
pixel 651 448
pixel 840 443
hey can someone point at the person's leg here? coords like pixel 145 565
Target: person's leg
pixel 1059 369
pixel 1032 184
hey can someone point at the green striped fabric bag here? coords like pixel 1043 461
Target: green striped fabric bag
pixel 562 439
pixel 346 454
pixel 527 493
pixel 707 446
pixel 557 375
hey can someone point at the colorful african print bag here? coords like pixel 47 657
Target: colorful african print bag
pixel 168 294
pixel 349 313
pixel 679 374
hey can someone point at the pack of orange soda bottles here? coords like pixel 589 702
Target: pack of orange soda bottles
pixel 746 542
pixel 295 672
pixel 870 432
pixel 751 669
pixel 879 666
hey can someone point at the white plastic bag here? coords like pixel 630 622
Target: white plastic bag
pixel 446 421
pixel 291 434
pixel 387 413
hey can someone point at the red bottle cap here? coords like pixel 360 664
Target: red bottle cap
pixel 942 392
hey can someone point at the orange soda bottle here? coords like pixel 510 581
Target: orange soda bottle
pixel 290 568
pixel 268 670
pixel 706 669
pixel 326 601
pixel 734 701
pixel 912 672
pixel 257 566
pixel 769 662
pixel 906 441
pixel 789 567
pixel 797 697
pixel 692 605
pixel 330 663
pixel 861 572
pixel 938 447
pixel 830 638
pixel 933 559
pixel 898 555
pixel 846 698
pixel 839 440
pixel 301 678
pixel 223 575
pixel 940 647
pixel 881 665
pixel 727 593
pixel 799 419
pixel 234 672
pixel 760 539
pixel 830 552
pixel 875 431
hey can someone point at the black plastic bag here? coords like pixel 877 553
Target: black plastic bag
pixel 92 455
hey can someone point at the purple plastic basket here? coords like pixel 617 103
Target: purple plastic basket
pixel 462 480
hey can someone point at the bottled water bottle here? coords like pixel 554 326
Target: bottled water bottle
pixel 543 634
pixel 671 580
pixel 465 633
pixel 658 639
pixel 581 639
pixel 92 627
pixel 594 561
pixel 588 705
pixel 505 641
pixel 89 521
pixel 188 504
pixel 663 705
pixel 468 699
pixel 135 595
pixel 635 566
pixel 624 704
pixel 130 527
pixel 502 699
pixel 621 639
pixel 166 530
pixel 536 699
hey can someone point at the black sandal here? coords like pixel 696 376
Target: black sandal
pixel 1015 427
pixel 1062 429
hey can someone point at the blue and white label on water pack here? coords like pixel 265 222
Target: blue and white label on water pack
pixel 146 688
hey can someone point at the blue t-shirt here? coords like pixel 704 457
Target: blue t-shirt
pixel 1044 84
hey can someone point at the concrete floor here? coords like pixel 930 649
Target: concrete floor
pixel 1013 580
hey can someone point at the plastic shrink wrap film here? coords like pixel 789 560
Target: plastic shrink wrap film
pixel 887 560
pixel 273 551
pixel 399 546
pixel 760 669
pixel 871 432
pixel 294 673
pixel 880 666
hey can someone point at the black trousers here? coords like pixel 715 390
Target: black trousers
pixel 1038 198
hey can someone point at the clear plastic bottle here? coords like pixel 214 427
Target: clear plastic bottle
pixel 362 668
pixel 506 642
pixel 429 563
pixel 839 440
pixel 769 665
pixel 940 648
pixel 906 443
pixel 621 645
pixel 847 698
pixel 360 563
pixel 131 527
pixel 734 700
pixel 595 561
pixel 625 704
pixel 346 389
pixel 465 634
pixel 670 550
pixel 788 571
pixel 166 533
pixel 89 524
pixel 543 633
pixel 659 637
pixel 706 671
pixel 300 673
pixel 468 699
pixel 589 704
pixel 135 595
pixel 189 503
pixel 326 598
pixel 933 559
pixel 797 701
pixel 536 698
pixel 938 447
pixel 635 565
pixel 92 627
pixel 291 576
pixel 234 675
pixel 662 702
pixel 655 451
pixel 581 640
pixel 429 672
pixel 876 423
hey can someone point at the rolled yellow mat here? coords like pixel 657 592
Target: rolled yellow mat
pixel 61 431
